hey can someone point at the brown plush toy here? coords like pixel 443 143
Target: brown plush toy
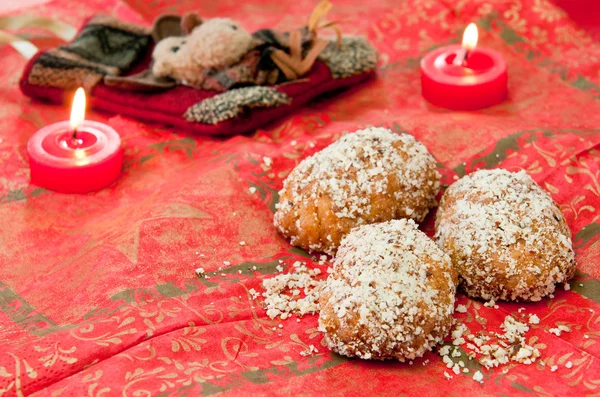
pixel 218 54
pixel 213 44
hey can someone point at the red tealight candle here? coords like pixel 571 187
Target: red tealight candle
pixel 75 156
pixel 464 77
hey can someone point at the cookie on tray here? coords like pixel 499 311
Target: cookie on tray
pixel 372 175
pixel 506 236
pixel 391 293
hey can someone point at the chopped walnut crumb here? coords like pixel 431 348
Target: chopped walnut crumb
pixel 491 303
pixel 444 350
pixel 309 352
pixel 555 331
pixel 533 319
pixel 282 292
pixel 496 349
pixel 457 334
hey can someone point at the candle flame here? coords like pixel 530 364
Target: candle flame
pixel 78 109
pixel 470 37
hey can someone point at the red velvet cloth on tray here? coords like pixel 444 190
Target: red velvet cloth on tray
pixel 98 294
pixel 167 107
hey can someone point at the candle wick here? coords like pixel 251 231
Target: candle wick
pixel 461 58
pixel 74 140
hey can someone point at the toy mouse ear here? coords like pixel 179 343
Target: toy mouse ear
pixel 190 21
pixel 166 26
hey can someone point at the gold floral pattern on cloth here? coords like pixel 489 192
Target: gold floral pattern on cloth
pixel 548 11
pixel 232 103
pixel 356 55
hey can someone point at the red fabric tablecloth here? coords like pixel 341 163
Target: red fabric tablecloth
pixel 98 294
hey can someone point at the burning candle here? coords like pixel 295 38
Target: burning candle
pixel 464 77
pixel 75 156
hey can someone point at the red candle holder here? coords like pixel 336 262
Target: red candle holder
pixel 477 82
pixel 87 161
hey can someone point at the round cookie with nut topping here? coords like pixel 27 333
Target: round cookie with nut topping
pixel 506 236
pixel 372 175
pixel 390 295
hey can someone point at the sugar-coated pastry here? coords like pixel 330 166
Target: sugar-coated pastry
pixel 506 236
pixel 372 175
pixel 390 295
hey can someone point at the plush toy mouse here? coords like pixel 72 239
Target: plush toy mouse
pixel 211 44
pixel 218 54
